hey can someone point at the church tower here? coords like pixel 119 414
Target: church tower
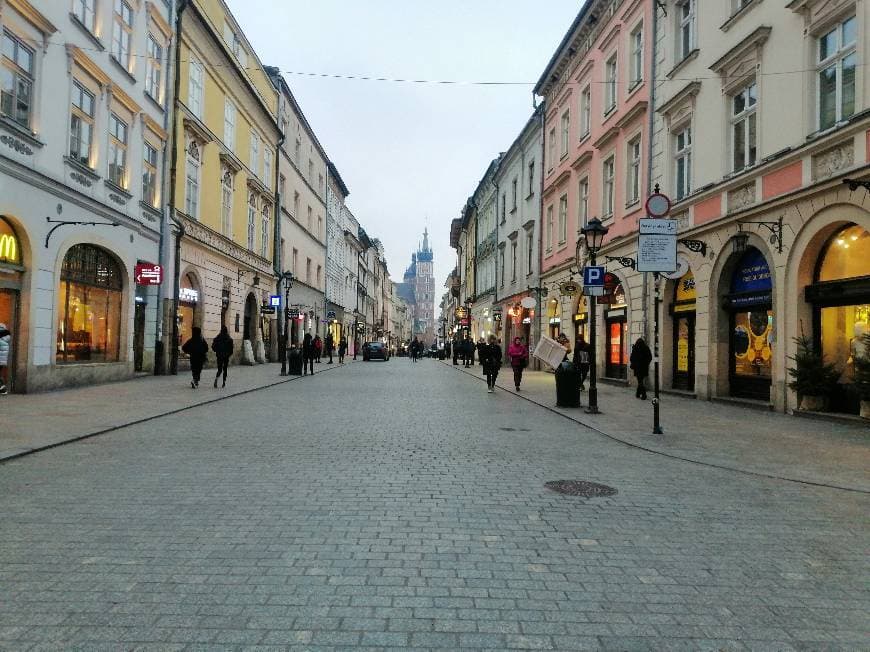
pixel 424 292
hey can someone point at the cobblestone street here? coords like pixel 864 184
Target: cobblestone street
pixel 413 517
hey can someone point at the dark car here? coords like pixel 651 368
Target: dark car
pixel 375 351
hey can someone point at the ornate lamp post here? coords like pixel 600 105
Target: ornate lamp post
pixel 288 283
pixel 593 238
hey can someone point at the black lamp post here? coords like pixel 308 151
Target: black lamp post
pixel 288 283
pixel 593 238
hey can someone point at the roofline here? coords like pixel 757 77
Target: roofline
pixel 333 171
pixel 533 121
pixel 557 55
pixel 274 73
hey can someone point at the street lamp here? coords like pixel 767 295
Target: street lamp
pixel 288 283
pixel 593 238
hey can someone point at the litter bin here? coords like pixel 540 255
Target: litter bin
pixel 567 385
pixel 294 362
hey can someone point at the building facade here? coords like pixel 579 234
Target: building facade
pixel 83 134
pixel 339 297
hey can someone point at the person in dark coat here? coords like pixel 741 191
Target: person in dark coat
pixel 308 354
pixel 582 353
pixel 457 345
pixel 196 349
pixel 329 346
pixel 641 357
pixel 469 352
pixel 342 349
pixel 222 346
pixel 490 358
pixel 318 348
pixel 480 344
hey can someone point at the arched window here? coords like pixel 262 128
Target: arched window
pixel 89 306
pixel 847 255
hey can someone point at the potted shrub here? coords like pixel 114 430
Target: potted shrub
pixel 861 377
pixel 812 379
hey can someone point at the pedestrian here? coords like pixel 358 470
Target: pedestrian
pixel 415 349
pixel 196 349
pixel 308 354
pixel 457 344
pixel 5 357
pixel 491 360
pixel 581 359
pixel 318 348
pixel 222 346
pixel 640 360
pixel 563 340
pixel 329 345
pixel 480 344
pixel 518 353
pixel 469 352
pixel 342 349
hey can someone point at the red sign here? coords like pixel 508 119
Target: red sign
pixel 658 205
pixel 147 274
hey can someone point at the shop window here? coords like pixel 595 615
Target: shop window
pixel 847 255
pixel 89 306
pixel 188 300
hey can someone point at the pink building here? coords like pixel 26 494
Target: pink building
pixel 596 134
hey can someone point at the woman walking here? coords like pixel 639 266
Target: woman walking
pixel 222 346
pixel 640 359
pixel 318 348
pixel 5 357
pixel 490 358
pixel 581 359
pixel 308 354
pixel 342 349
pixel 518 353
pixel 196 349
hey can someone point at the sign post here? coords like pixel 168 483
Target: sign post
pixel 147 274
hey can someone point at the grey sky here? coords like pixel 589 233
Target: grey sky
pixel 408 152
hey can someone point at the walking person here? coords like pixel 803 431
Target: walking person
pixel 196 349
pixel 480 344
pixel 222 346
pixel 582 351
pixel 518 354
pixel 329 345
pixel 457 344
pixel 342 349
pixel 318 348
pixel 641 357
pixel 491 360
pixel 308 354
pixel 415 349
pixel 469 352
pixel 5 357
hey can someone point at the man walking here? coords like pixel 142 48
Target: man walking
pixel 329 343
pixel 222 346
pixel 196 349
pixel 490 358
pixel 342 349
pixel 308 354
pixel 641 357
pixel 581 359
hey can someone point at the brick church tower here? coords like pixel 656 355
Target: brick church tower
pixel 419 291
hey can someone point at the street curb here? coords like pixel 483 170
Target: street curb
pixel 135 422
pixel 630 444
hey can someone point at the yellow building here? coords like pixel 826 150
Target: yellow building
pixel 223 186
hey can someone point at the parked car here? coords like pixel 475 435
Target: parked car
pixel 375 351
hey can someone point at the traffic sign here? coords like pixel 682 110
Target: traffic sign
pixel 593 276
pixel 594 290
pixel 330 314
pixel 275 300
pixel 147 274
pixel 658 205
pixel 657 245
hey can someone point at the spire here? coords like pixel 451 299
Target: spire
pixel 426 239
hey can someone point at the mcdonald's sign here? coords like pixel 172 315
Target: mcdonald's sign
pixel 9 250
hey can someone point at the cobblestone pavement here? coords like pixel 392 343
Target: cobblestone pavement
pixel 399 506
pixel 822 452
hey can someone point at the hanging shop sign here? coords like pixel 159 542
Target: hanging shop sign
pixel 188 295
pixel 461 312
pixel 292 313
pixel 330 314
pixel 267 310
pixel 528 303
pixel 145 273
pixel 569 288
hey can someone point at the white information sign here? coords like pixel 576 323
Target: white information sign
pixel 594 290
pixel 658 227
pixel 656 253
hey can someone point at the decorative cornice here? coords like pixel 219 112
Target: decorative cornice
pixel 582 159
pixel 84 62
pixel 198 231
pixel 229 160
pixel 754 40
pixel 196 129
pixel 630 115
pixel 159 20
pixel 154 126
pixel 689 90
pixel 606 137
pixel 33 16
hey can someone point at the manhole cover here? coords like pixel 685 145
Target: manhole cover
pixel 580 488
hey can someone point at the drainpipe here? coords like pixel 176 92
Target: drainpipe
pixel 649 182
pixel 540 310
pixel 173 192
pixel 277 255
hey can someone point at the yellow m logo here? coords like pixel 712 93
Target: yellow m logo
pixel 8 248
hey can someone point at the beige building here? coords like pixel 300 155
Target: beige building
pixel 761 115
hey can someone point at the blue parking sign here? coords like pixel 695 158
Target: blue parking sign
pixel 593 276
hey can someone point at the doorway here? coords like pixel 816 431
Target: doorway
pixel 8 316
pixel 139 335
pixel 684 351
pixel 617 330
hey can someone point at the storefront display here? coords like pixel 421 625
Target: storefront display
pixel 616 327
pixel 10 287
pixel 683 314
pixel 188 300
pixel 89 306
pixel 581 319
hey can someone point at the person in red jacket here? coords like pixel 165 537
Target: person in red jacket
pixel 518 354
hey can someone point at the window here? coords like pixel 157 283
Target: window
pixel 229 125
pixel 530 250
pixel 320 227
pixel 514 184
pixel 836 73
pixel 552 158
pixel 117 151
pixel 610 85
pixel 297 150
pixel 549 228
pixel 308 271
pixel 282 189
pixel 235 45
pixel 264 231
pixel 149 174
pixel 16 84
pixel 501 268
pixel 154 69
pixel 503 207
pixel 310 220
pixel 89 306
pixel 531 178
pixel 122 28
pixel 585 111
pixel 683 162
pixel 195 88
pixel 513 261
pixel 295 265
pixel 81 125
pixel 608 175
pixel 319 272
pixel 296 204
pixel 563 219
pixel 191 198
pixel 743 146
pixel 633 185
pixel 84 11
pixel 583 203
pixel 252 219
pixel 566 126
pixel 227 203
pixel 267 165
pixel 635 75
pixel 685 28
pixel 320 182
pixel 255 154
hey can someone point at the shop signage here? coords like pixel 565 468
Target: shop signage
pixel 330 314
pixel 464 321
pixel 8 248
pixel 146 274
pixel 569 288
pixel 188 295
pixel 267 310
pixel 275 300
pixel 752 275
pixel 461 312
pixel 528 303
pixel 360 326
pixel 292 313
